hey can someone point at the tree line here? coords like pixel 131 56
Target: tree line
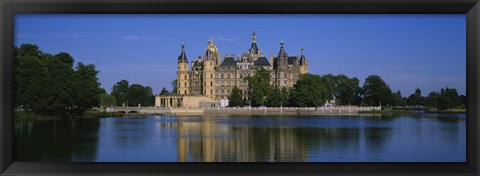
pixel 132 95
pixel 50 84
pixel 313 90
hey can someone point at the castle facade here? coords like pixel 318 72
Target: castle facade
pixel 214 77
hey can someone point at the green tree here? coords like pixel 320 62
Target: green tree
pixel 449 98
pixel 102 91
pixel 48 84
pixel 107 100
pixel 416 98
pixel 174 86
pixel 28 50
pixel 137 94
pixel 120 92
pixel 235 99
pixel 30 76
pixel 398 99
pixel 164 91
pixel 284 97
pixel 64 58
pixel 62 88
pixel 375 92
pixel 330 82
pixel 259 85
pixel 86 88
pixel 309 91
pixel 346 90
pixel 432 99
pixel 274 97
pixel 149 93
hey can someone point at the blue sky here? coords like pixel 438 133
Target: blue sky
pixel 407 51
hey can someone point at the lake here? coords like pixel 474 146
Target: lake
pixel 222 138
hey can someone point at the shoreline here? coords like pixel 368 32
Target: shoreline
pixel 94 114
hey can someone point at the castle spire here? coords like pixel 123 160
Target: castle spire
pixel 211 40
pixel 281 53
pixel 303 60
pixel 253 48
pixel 183 57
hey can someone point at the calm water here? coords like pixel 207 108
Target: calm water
pixel 425 138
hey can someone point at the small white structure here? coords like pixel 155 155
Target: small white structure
pixel 330 103
pixel 110 109
pixel 223 103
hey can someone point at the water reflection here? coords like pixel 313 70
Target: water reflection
pixel 244 139
pixel 56 141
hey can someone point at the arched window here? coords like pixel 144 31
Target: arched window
pixel 185 92
pixel 185 77
pixel 185 84
pixel 178 84
pixel 211 75
pixel 211 83
pixel 211 92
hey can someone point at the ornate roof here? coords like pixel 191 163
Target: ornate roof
pixel 183 57
pixel 229 61
pixel 261 61
pixel 303 60
pixel 282 52
pixel 254 49
pixel 212 50
pixel 292 60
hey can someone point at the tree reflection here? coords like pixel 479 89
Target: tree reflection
pixel 56 140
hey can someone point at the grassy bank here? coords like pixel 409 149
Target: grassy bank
pixel 29 116
pixel 98 114
pixel 26 116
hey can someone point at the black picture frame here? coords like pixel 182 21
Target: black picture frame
pixel 9 8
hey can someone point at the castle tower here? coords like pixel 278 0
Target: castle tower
pixel 303 64
pixel 211 60
pixel 254 52
pixel 280 67
pixel 182 73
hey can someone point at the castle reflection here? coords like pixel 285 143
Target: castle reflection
pixel 208 141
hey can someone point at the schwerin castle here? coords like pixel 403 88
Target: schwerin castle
pixel 209 81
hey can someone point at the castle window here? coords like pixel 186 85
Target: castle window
pixel 185 84
pixel 185 77
pixel 211 83
pixel 185 92
pixel 211 75
pixel 178 84
pixel 211 92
